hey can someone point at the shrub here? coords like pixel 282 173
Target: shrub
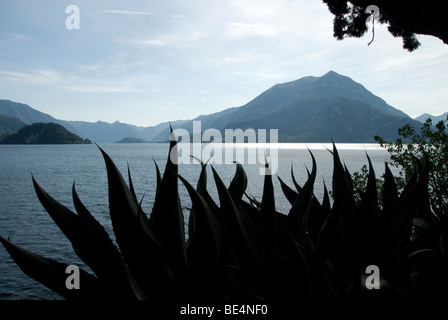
pixel 431 142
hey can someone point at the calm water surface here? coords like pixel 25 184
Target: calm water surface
pixel 57 167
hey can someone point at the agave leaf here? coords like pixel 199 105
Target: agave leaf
pixel 89 243
pixel 412 203
pixel 241 286
pixel 348 177
pixel 343 194
pixel 53 274
pixel 316 217
pixel 202 190
pixel 268 221
pixel 368 227
pixel 201 185
pixel 158 175
pixel 342 190
pixel 390 190
pixel 236 235
pixel 424 255
pixel 250 216
pixel 206 239
pixel 118 262
pixel 131 185
pixel 326 206
pixel 84 213
pixel 336 240
pixel 368 207
pixel 298 215
pixel 139 247
pixel 290 194
pixel 298 187
pixel 166 216
pixel 254 202
pixel 424 205
pixel 299 282
pixel 238 185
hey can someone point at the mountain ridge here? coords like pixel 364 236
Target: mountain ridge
pixel 294 108
pixel 10 125
pixel 30 115
pixel 423 117
pixel 269 105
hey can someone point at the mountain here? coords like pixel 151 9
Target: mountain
pixel 132 140
pixel 422 118
pixel 43 133
pixel 10 125
pixel 324 119
pixel 312 109
pixel 104 132
pixel 101 132
pixel 29 115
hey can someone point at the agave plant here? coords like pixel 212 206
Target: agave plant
pixel 245 250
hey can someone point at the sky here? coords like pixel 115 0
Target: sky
pixel 147 62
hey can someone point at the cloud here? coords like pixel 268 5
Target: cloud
pixel 151 42
pixel 100 89
pixel 127 12
pixel 55 79
pixel 237 29
pixel 37 77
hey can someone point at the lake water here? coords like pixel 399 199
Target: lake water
pixel 56 167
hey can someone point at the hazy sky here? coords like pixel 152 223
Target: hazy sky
pixel 145 62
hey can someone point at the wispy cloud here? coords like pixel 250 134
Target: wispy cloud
pixel 72 83
pixel 38 77
pixel 100 89
pixel 237 29
pixel 150 42
pixel 127 12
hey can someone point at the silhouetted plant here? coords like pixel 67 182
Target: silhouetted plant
pixel 431 141
pixel 245 249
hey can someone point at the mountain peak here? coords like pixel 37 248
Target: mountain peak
pixel 331 73
pixel 332 76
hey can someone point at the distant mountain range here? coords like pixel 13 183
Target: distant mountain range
pixel 101 132
pixel 132 140
pixel 28 115
pixel 310 109
pixel 422 118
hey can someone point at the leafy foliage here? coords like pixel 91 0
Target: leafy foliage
pixel 431 143
pixel 243 249
pixel 404 20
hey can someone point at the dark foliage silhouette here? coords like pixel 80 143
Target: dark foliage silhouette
pixel 405 19
pixel 242 249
